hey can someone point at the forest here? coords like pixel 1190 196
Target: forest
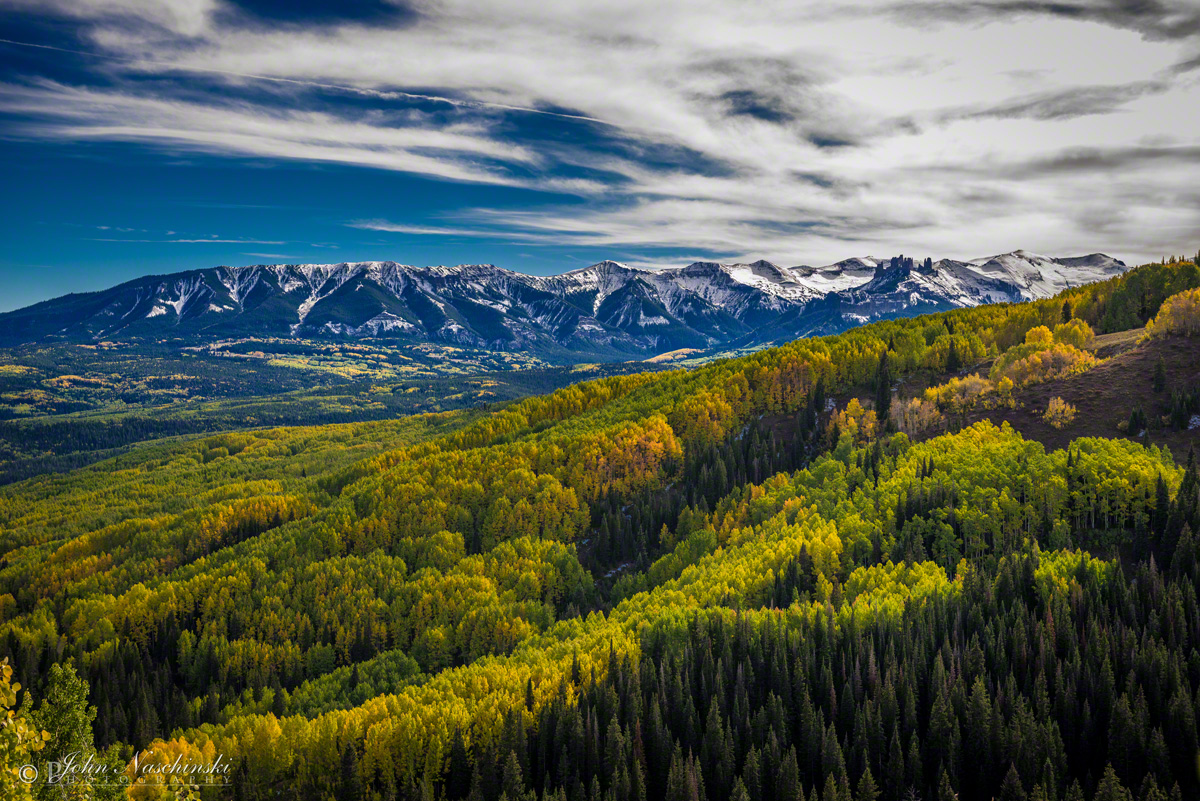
pixel 64 406
pixel 805 573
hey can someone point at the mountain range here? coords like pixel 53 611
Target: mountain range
pixel 608 310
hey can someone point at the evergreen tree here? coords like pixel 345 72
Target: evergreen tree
pixel 513 784
pixel 458 779
pixel 1111 789
pixel 351 788
pixel 1011 788
pixel 945 792
pixel 278 702
pixel 953 362
pixel 751 774
pixel 787 786
pixel 883 390
pixel 867 791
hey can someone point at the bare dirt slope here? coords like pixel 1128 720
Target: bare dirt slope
pixel 1106 394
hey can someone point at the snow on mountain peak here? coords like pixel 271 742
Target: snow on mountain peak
pixel 605 309
pixel 1042 276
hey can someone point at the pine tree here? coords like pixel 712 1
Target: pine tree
pixel 637 790
pixel 977 733
pixel 752 775
pixel 1161 515
pixel 945 791
pixel 914 770
pixel 953 362
pixel 1011 788
pixel 831 792
pixel 278 702
pixel 787 786
pixel 1151 791
pixel 458 779
pixel 1111 789
pixel 677 780
pixel 883 390
pixel 352 783
pixel 513 784
pixel 895 766
pixel 1160 375
pixel 1186 558
pixel 867 791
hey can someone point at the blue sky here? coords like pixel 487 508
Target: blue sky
pixel 150 136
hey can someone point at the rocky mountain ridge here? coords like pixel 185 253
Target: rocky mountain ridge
pixel 607 310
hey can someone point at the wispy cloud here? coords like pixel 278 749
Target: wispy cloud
pixel 1155 19
pixel 457 152
pixel 1068 103
pixel 420 230
pixel 212 241
pixel 775 129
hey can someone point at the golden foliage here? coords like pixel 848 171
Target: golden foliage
pixel 18 740
pixel 959 394
pixel 918 417
pixel 1040 336
pixel 1074 332
pixel 1059 413
pixel 1178 316
pixel 1056 361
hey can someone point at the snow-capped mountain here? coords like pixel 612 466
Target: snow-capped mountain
pixel 1041 276
pixel 607 310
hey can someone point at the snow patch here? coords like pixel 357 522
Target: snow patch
pixel 655 320
pixel 239 281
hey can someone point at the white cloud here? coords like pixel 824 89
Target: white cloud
pixel 418 230
pixel 184 17
pixel 458 152
pixel 766 129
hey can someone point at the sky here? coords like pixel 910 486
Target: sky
pixel 151 136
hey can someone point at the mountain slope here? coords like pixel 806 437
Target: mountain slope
pixel 901 287
pixel 607 310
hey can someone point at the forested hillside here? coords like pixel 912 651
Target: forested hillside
pixel 66 406
pixel 799 575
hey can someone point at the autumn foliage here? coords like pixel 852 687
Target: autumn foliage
pixel 1178 316
pixel 379 608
